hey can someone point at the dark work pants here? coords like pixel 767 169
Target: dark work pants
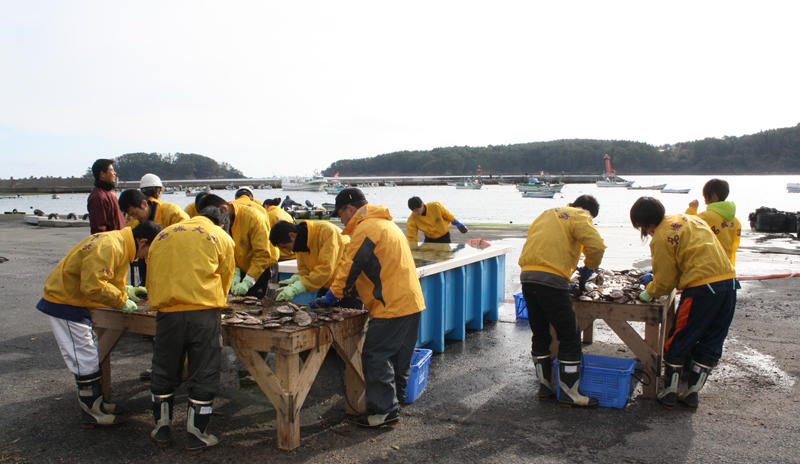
pixel 701 323
pixel 443 239
pixel 548 305
pixel 193 334
pixel 386 358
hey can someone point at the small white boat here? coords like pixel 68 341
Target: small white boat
pixel 169 190
pixel 389 184
pixel 470 185
pixel 539 194
pixel 55 196
pixel 540 187
pixel 189 193
pixel 315 184
pixel 647 187
pixel 793 187
pixel 609 182
pixel 334 189
pixel 666 190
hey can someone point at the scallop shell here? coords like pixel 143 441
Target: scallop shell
pixel 285 319
pixel 302 318
pixel 271 325
pixel 284 310
pixel 294 306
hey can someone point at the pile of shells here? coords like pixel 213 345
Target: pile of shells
pixel 277 316
pixel 612 286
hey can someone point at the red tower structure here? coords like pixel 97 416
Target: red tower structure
pixel 609 171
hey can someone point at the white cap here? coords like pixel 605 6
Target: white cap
pixel 150 180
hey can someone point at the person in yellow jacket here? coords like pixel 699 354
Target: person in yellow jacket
pixel 139 208
pixel 377 266
pixel 720 215
pixel 192 266
pixel 245 197
pixel 687 255
pixel 92 275
pixel 433 219
pixel 551 252
pixel 255 254
pixel 191 208
pixel 275 214
pixel 319 246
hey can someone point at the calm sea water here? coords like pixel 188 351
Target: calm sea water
pixel 503 204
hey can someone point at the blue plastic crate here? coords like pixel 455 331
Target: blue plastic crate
pixel 521 306
pixel 418 378
pixel 606 379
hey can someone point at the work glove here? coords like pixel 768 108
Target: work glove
pixel 461 227
pixel 584 273
pixel 644 296
pixel 243 287
pixel 237 279
pixel 290 291
pixel 294 278
pixel 325 301
pixel 129 307
pixel 574 290
pixel 646 278
pixel 132 291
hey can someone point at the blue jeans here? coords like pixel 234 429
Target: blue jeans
pixel 701 323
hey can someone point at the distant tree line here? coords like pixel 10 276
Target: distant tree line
pixel 772 151
pixel 132 166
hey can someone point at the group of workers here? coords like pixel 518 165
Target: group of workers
pixel 214 247
pixel 691 252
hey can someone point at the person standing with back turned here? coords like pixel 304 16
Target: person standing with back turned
pixel 554 245
pixel 104 212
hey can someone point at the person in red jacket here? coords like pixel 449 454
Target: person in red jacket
pixel 104 212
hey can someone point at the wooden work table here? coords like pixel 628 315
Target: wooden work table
pixel 288 384
pixel 648 349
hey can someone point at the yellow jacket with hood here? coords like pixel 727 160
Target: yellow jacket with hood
pixel 556 240
pixel 250 231
pixel 93 273
pixel 721 218
pixel 326 245
pixel 166 215
pixel 191 210
pixel 377 263
pixel 244 200
pixel 686 254
pixel 190 267
pixel 434 223
pixel 276 214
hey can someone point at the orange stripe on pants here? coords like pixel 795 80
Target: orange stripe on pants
pixel 680 322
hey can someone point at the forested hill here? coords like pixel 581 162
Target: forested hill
pixel 133 166
pixel 771 151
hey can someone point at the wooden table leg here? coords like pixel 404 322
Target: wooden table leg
pixel 355 386
pixel 653 338
pixel 106 341
pixel 287 368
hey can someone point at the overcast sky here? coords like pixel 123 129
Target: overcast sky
pixel 279 88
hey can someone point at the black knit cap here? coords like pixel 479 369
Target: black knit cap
pixel 346 197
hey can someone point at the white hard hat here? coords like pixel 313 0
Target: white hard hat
pixel 150 180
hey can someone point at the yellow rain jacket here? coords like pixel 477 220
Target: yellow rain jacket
pixel 167 214
pixel 191 210
pixel 250 231
pixel 378 264
pixel 434 224
pixel 686 254
pixel 190 266
pixel 720 217
pixel 276 214
pixel 326 244
pixel 556 240
pixel 93 273
pixel 244 200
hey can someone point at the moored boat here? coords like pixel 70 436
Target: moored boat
pixel 793 187
pixel 647 187
pixel 538 194
pixel 671 190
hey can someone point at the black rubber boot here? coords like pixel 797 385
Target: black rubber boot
pixel 544 372
pixel 698 373
pixel 162 416
pixel 672 378
pixel 569 382
pixel 90 398
pixel 374 421
pixel 197 419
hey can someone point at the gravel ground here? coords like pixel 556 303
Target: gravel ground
pixel 479 405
